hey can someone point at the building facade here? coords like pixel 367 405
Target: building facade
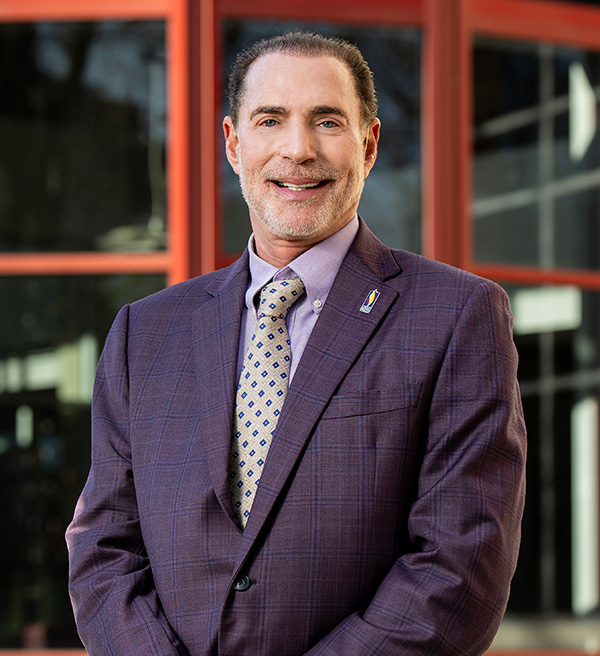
pixel 113 184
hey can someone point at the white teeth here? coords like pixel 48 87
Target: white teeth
pixel 294 187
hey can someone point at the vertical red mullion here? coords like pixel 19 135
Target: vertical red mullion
pixel 445 140
pixel 178 148
pixel 206 114
pixel 430 92
pixel 220 106
pixel 465 218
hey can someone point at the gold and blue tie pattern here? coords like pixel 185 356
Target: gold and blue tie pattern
pixel 261 392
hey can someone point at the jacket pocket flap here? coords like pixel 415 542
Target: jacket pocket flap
pixel 372 402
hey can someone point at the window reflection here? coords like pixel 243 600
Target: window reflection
pixel 536 155
pixel 82 127
pixel 557 332
pixel 49 345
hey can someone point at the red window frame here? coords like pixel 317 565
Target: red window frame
pixel 448 28
pixel 175 261
pixel 194 88
pixel 531 20
pixel 445 118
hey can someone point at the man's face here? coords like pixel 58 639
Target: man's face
pixel 300 148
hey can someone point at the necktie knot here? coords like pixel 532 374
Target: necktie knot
pixel 278 296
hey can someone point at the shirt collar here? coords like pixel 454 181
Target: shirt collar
pixel 317 267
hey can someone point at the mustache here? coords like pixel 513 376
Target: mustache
pixel 308 172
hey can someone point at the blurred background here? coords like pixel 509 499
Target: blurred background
pixel 113 184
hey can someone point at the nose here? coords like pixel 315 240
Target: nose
pixel 298 143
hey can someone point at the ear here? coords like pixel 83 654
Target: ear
pixel 231 143
pixel 370 145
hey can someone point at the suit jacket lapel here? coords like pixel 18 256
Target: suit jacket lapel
pixel 339 336
pixel 216 329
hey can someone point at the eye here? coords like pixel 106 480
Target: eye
pixel 268 123
pixel 327 123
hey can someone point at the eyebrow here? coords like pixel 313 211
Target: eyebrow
pixel 319 110
pixel 328 109
pixel 278 110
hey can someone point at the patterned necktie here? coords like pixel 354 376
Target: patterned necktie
pixel 261 392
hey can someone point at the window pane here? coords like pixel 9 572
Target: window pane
pixel 495 235
pixel 577 226
pixel 49 344
pixel 391 202
pixel 536 155
pixel 82 128
pixel 557 332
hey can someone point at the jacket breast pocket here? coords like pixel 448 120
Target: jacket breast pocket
pixel 365 443
pixel 372 402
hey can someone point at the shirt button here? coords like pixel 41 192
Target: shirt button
pixel 318 304
pixel 242 584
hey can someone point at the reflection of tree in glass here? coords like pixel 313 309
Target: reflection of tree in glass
pixel 82 123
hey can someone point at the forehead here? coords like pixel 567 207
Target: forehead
pixel 299 82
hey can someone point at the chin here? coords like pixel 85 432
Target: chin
pixel 297 227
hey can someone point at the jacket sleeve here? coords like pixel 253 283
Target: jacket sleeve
pixel 117 609
pixel 448 594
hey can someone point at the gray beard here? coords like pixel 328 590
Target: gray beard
pixel 323 216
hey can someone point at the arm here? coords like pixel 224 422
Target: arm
pixel 117 610
pixel 448 594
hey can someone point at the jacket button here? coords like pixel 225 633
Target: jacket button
pixel 242 584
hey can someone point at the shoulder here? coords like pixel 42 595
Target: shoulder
pixel 402 269
pixel 428 271
pixel 179 301
pixel 193 290
pixel 430 281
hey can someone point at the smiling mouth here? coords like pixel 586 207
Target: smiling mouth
pixel 301 187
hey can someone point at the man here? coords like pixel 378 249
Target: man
pixel 357 493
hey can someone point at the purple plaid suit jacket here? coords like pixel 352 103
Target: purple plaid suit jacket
pixel 388 515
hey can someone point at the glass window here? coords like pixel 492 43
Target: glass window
pixel 391 202
pixel 536 166
pixel 557 332
pixel 49 344
pixel 82 127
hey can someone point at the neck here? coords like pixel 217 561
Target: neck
pixel 279 255
pixel 280 251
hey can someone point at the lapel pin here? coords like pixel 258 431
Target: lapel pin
pixel 369 302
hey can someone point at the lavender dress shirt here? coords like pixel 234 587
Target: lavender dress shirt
pixel 318 268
